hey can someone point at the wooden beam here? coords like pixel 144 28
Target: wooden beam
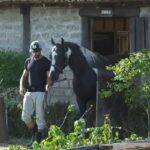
pixel 110 12
pixel 25 11
pixel 77 2
pixel 126 12
pixel 99 12
pixel 132 34
pixel 91 33
pixel 147 33
pixel 86 32
pixel 139 33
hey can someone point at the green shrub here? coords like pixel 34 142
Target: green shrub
pixel 80 136
pixel 16 126
pixel 11 67
pixel 56 112
pixel 132 77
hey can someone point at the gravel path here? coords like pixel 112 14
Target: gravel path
pixel 3 146
pixel 14 141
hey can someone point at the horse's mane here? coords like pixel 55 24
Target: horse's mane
pixel 94 59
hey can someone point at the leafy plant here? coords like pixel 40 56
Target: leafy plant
pixel 11 67
pixel 132 76
pixel 133 137
pixel 55 115
pixel 14 147
pixel 80 136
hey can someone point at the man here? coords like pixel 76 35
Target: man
pixel 32 87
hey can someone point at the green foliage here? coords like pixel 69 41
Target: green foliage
pixel 14 108
pixel 136 122
pixel 71 108
pixel 11 67
pixel 81 136
pixel 132 77
pixel 14 147
pixel 55 115
pixel 133 137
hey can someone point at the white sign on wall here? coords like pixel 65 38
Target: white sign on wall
pixel 106 12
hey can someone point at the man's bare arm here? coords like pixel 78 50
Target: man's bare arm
pixel 49 81
pixel 23 82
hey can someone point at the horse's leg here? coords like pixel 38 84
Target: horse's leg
pixel 91 115
pixel 81 105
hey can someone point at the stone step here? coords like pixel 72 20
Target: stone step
pixel 117 146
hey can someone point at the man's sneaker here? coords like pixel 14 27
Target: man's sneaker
pixel 33 139
pixel 41 135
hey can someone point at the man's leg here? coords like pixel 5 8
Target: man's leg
pixel 28 109
pixel 27 112
pixel 40 116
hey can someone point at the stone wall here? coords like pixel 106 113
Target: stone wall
pixel 11 29
pixel 47 22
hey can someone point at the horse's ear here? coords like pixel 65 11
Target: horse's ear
pixel 52 41
pixel 62 41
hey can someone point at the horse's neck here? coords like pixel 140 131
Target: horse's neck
pixel 78 64
pixel 95 60
pixel 83 60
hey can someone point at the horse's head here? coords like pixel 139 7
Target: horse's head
pixel 59 57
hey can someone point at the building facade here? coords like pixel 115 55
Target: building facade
pixel 107 27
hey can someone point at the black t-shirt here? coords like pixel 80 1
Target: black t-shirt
pixel 37 73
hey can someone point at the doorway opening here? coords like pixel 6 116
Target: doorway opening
pixel 103 42
pixel 110 36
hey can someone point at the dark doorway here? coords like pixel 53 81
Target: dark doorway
pixel 110 36
pixel 103 43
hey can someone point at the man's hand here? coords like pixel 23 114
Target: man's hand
pixel 47 87
pixel 22 91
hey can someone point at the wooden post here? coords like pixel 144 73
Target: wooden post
pixel 85 32
pixel 99 111
pixel 3 125
pixel 25 11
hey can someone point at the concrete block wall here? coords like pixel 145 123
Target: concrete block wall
pixel 47 22
pixel 62 91
pixel 11 29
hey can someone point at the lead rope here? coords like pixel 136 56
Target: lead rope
pixel 48 94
